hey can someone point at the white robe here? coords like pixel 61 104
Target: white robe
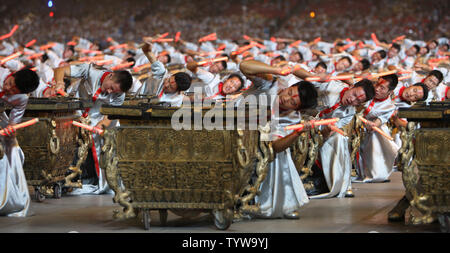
pixel 335 153
pixel 86 90
pixel 212 82
pixel 160 73
pixel 282 191
pixel 14 195
pixel 399 103
pixel 377 154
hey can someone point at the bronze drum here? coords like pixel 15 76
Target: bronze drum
pixel 425 160
pixel 49 145
pixel 184 171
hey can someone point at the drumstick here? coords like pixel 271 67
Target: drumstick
pixel 376 129
pixel 13 30
pixel 296 43
pixel 337 130
pixel 21 125
pixel 212 60
pixel 30 43
pixel 141 67
pixel 299 127
pixel 10 57
pixel 87 127
pixel 122 66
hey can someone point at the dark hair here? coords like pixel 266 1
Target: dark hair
pixel 307 94
pixel 396 46
pixel 417 48
pixel 240 79
pixel 280 57
pixel 131 59
pixel 392 79
pixel 365 63
pixel 382 53
pixel 367 85
pixel 435 41
pixel 224 64
pixel 26 80
pixel 183 81
pixel 130 52
pixel 383 41
pixel 348 59
pixel 322 64
pixel 124 78
pixel 425 91
pixel 169 59
pixel 44 57
pixel 300 55
pixel 428 49
pixel 71 48
pixel 447 45
pixel 282 43
pixel 340 44
pixel 437 74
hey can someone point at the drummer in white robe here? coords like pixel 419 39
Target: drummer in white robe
pixel 377 154
pixel 101 87
pixel 338 100
pixel 408 57
pixel 392 57
pixel 282 192
pixel 404 97
pixel 170 87
pixel 14 196
pixel 216 87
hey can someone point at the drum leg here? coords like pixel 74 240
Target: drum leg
pixel 163 217
pixel 39 196
pixel 444 220
pixel 223 218
pixel 57 192
pixel 146 217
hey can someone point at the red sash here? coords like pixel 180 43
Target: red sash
pixel 400 94
pixel 220 92
pixel 445 94
pixel 3 92
pixel 334 107
pixel 369 108
pixel 97 93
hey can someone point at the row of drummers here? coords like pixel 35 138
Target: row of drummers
pixel 296 92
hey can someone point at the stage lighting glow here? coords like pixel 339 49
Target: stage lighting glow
pixel 312 14
pixel 51 14
pixel 50 4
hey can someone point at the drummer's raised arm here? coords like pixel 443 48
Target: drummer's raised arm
pixel 59 74
pixel 147 49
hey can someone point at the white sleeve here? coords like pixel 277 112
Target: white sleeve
pixel 80 70
pixel 407 43
pixel 19 103
pixel 116 60
pixel 59 49
pixel 158 70
pixel 14 65
pixel 191 46
pixel 306 52
pixel 136 85
pixel 38 93
pixel 272 46
pixel 205 76
pixel 118 99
